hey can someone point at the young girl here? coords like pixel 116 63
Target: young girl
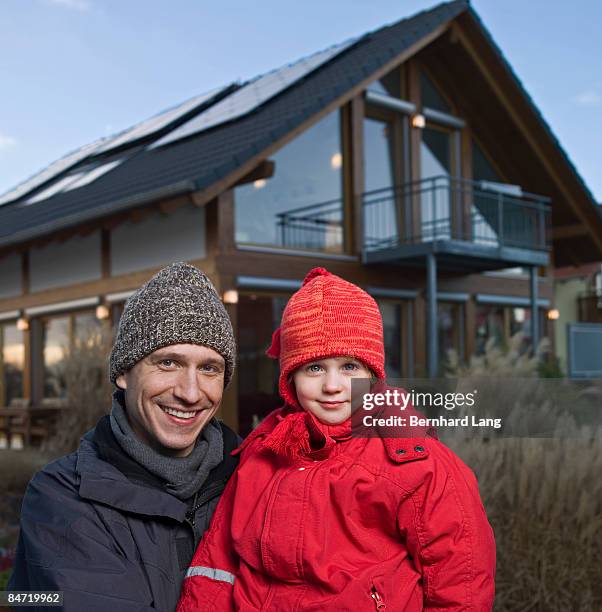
pixel 316 519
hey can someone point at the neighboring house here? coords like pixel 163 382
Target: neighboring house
pixel 578 326
pixel 409 160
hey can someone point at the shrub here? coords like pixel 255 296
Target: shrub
pixel 16 469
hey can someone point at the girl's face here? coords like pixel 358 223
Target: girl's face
pixel 324 387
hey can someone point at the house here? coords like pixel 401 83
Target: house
pixel 409 160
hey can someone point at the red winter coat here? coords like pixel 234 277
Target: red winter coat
pixel 362 524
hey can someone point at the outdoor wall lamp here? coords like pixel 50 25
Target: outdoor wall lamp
pixel 230 296
pixel 553 314
pixel 22 324
pixel 418 121
pixel 102 312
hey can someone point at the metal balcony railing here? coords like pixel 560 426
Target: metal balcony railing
pixel 483 213
pixel 437 208
pixel 317 226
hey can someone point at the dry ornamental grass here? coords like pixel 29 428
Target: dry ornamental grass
pixel 543 497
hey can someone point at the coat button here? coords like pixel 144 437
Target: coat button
pixel 419 449
pixel 400 451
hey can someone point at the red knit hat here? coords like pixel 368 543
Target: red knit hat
pixel 327 317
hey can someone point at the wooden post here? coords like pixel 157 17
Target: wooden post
pixel 229 408
pixel 467 199
pixel 419 337
pixel 105 253
pixel 413 84
pixel 357 184
pixel 470 323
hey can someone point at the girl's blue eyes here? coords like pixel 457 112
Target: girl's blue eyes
pixel 350 366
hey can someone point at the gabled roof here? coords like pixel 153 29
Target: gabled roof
pixel 144 174
pixel 210 138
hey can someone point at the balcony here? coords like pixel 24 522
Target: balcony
pixel 469 225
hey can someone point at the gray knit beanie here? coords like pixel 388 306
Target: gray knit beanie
pixel 179 305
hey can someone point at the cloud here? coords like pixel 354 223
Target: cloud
pixel 6 141
pixel 589 98
pixel 74 5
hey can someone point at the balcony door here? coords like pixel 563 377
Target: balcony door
pixel 384 174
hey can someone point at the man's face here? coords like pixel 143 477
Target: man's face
pixel 171 394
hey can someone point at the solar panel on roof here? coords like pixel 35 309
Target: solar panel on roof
pixel 158 122
pixel 140 130
pixel 55 168
pixel 74 180
pixel 252 95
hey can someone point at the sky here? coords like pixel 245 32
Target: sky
pixel 72 71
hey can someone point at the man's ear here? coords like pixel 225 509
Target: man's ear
pixel 121 382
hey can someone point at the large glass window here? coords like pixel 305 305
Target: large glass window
pixel 12 363
pixel 431 96
pixel 436 166
pixel 490 324
pixel 59 336
pixel 301 205
pixel 485 202
pixel 388 85
pixel 379 162
pixel 55 344
pixel 482 169
pixel 503 322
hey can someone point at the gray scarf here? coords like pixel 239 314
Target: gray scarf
pixel 183 476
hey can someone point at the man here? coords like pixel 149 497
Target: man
pixel 115 524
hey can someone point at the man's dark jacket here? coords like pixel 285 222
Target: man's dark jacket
pixel 102 529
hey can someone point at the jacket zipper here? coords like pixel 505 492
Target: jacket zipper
pixel 378 600
pixel 203 499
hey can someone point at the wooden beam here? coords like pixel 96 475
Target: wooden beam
pixel 169 206
pixel 25 273
pixel 419 311
pixel 470 328
pixel 27 364
pixel 229 410
pixel 348 245
pixel 413 76
pixel 265 170
pixel 105 253
pixel 466 173
pixel 569 231
pixel 357 113
pixel 225 221
pixel 102 286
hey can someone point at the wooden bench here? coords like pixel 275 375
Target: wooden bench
pixel 32 423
